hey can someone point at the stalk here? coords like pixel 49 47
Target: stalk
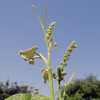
pixel 59 90
pixel 47 62
pixel 50 76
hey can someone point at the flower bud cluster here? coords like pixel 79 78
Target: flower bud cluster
pixel 63 63
pixel 67 53
pixel 49 32
pixel 69 50
pixel 60 74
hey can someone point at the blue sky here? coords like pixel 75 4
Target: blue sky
pixel 20 29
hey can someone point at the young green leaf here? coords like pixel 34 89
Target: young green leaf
pixel 29 53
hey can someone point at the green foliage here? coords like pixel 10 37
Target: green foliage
pixel 9 89
pixel 23 96
pixel 83 89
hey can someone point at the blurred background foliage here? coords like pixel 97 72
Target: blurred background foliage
pixel 7 89
pixel 82 89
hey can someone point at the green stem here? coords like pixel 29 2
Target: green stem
pixel 50 76
pixel 64 95
pixel 47 62
pixel 45 15
pixel 45 37
pixel 43 27
pixel 59 90
pixel 71 78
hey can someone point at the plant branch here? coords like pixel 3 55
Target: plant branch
pixel 43 27
pixel 35 57
pixel 45 15
pixel 38 15
pixel 45 60
pixel 71 78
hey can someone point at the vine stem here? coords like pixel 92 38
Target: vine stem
pixel 59 91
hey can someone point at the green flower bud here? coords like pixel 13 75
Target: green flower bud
pixel 52 24
pixel 47 35
pixel 49 31
pixel 64 73
pixel 63 63
pixel 65 55
pixel 73 43
pixel 69 48
pixel 75 46
pixel 54 45
pixel 50 38
pixel 50 28
pixel 58 67
pixel 54 75
pixel 68 53
pixel 66 58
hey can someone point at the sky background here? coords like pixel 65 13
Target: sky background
pixel 20 29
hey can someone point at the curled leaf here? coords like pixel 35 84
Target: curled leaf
pixel 28 54
pixel 45 75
